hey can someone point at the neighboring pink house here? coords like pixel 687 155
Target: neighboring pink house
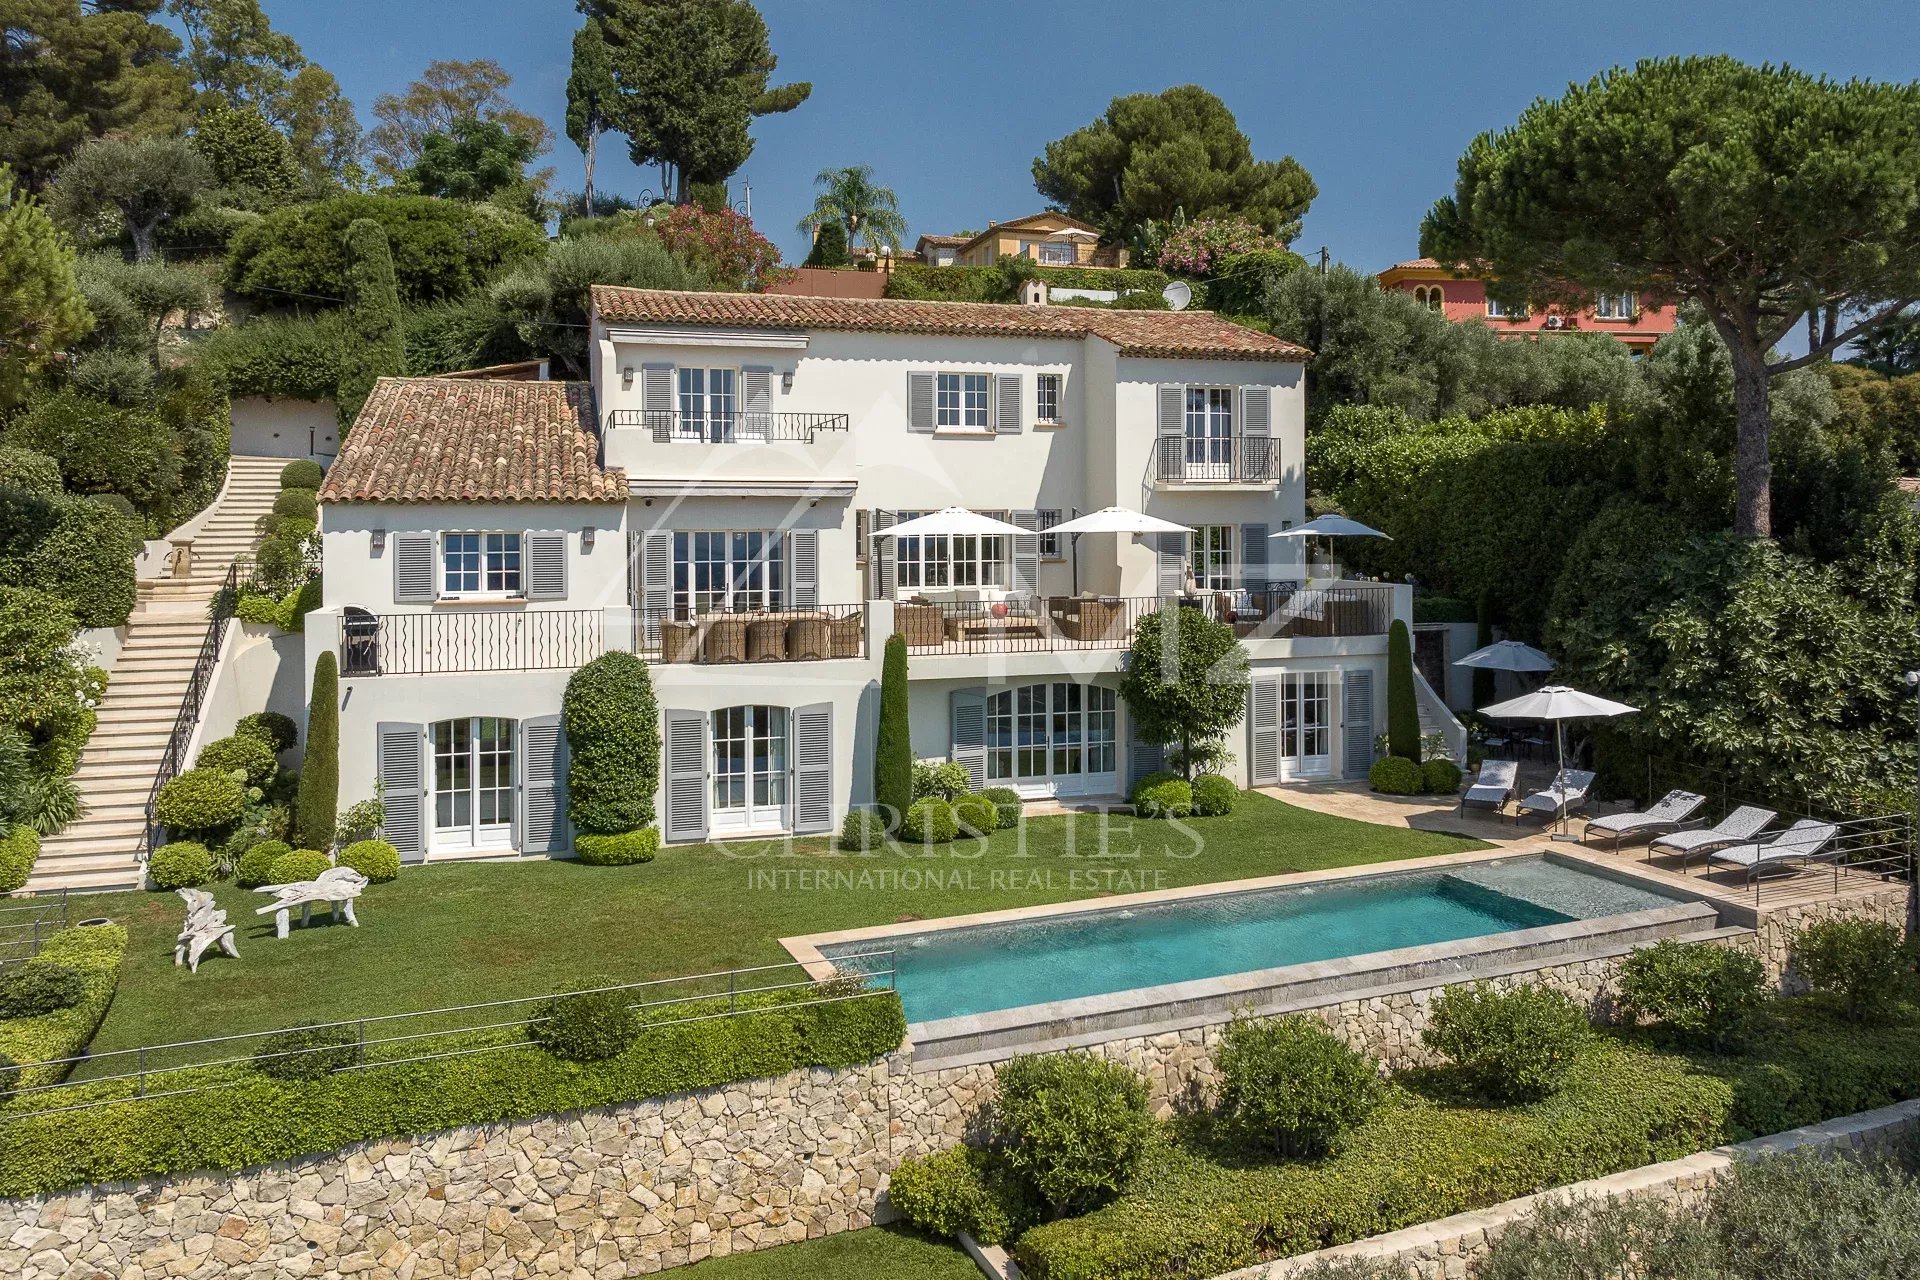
pixel 1440 289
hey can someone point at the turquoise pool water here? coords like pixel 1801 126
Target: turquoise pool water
pixel 951 972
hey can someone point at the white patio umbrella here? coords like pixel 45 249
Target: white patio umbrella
pixel 1558 703
pixel 1331 526
pixel 951 522
pixel 1112 520
pixel 1507 655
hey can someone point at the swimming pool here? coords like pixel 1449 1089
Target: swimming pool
pixel 978 969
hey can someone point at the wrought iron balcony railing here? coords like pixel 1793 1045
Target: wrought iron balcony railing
pixel 668 425
pixel 1234 459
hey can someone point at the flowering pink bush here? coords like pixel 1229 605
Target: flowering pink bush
pixel 725 243
pixel 1197 248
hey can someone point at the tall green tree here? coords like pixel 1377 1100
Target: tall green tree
pixel 893 744
pixel 145 181
pixel 376 345
pixel 317 805
pixel 41 307
pixel 1763 194
pixel 1893 346
pixel 545 299
pixel 1403 707
pixel 447 92
pixel 829 247
pixel 591 95
pixel 252 164
pixel 692 75
pixel 478 160
pixel 851 197
pixel 1185 680
pixel 1153 156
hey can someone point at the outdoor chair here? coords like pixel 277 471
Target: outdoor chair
pixel 335 888
pixel 1568 792
pixel 1738 827
pixel 206 928
pixel 727 638
pixel 1674 808
pixel 1494 787
pixel 1804 842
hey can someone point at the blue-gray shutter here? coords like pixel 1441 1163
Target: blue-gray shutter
pixel 1173 409
pixel 543 786
pixel 1143 757
pixel 413 576
pixel 656 582
pixel 803 564
pixel 1253 557
pixel 545 569
pixel 967 733
pixel 920 402
pixel 686 752
pixel 1356 726
pixel 1010 398
pixel 1263 729
pixel 400 749
pixel 756 402
pixel 1256 431
pixel 1026 555
pixel 1170 565
pixel 659 399
pixel 813 768
pixel 880 554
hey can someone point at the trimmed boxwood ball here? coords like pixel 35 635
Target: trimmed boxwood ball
pixel 305 1053
pixel 19 850
pixel 612 725
pixel 302 473
pixel 961 1189
pixel 1006 803
pixel 200 800
pixel 585 1027
pixel 1074 1127
pixel 183 864
pixel 929 821
pixel 1172 798
pixel 1214 796
pixel 255 867
pixel 272 728
pixel 1510 1046
pixel 377 860
pixel 863 831
pixel 39 987
pixel 240 753
pixel 976 815
pixel 623 850
pixel 1396 776
pixel 1441 775
pixel 1292 1085
pixel 300 864
pixel 297 504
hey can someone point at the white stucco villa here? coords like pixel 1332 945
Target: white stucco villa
pixel 709 500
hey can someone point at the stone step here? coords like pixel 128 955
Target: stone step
pixel 112 737
pixel 113 827
pixel 149 680
pixel 87 882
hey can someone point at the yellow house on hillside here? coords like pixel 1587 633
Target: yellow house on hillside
pixel 1051 239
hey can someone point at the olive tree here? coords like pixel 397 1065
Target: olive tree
pixel 1768 196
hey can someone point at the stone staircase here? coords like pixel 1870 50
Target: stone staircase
pixel 101 848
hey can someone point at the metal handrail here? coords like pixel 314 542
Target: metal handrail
pixel 509 639
pixel 1231 459
pixel 47 914
pixel 189 716
pixel 740 427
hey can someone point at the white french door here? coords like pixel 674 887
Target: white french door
pixel 1306 724
pixel 473 783
pixel 1052 739
pixel 750 769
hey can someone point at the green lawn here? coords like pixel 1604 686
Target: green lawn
pixel 878 1253
pixel 460 933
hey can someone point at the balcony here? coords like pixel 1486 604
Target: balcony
pixel 424 644
pixel 1235 460
pixel 668 426
pixel 778 635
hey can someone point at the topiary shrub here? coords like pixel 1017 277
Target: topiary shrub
pixel 306 1053
pixel 318 802
pixel 586 1027
pixel 182 864
pixel 199 801
pixel 1396 776
pixel 240 753
pixel 1403 710
pixel 377 860
pixel 976 815
pixel 613 745
pixel 1214 796
pixel 1006 803
pixel 893 741
pixel 961 1189
pixel 1291 1084
pixel 272 728
pixel 302 473
pixel 1860 966
pixel 1074 1128
pixel 255 867
pixel 39 987
pixel 929 821
pixel 947 779
pixel 298 865
pixel 626 849
pixel 1441 776
pixel 1509 1046
pixel 19 850
pixel 1172 798
pixel 296 504
pixel 863 831
pixel 1698 994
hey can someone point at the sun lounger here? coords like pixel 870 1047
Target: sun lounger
pixel 1738 827
pixel 335 888
pixel 1674 808
pixel 1494 787
pixel 1568 792
pixel 206 928
pixel 1803 842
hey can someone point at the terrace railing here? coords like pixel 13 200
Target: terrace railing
pixel 1039 624
pixel 1288 612
pixel 668 425
pixel 801 634
pixel 460 1031
pixel 1233 459
pixel 174 756
pixel 24 925
pixel 418 644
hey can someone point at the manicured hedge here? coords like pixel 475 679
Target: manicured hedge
pixel 96 951
pixel 256 1119
pixel 19 850
pixel 625 849
pixel 612 723
pixel 994 284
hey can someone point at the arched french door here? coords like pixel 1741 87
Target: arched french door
pixel 1056 738
pixel 473 783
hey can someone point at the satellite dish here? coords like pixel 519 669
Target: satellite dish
pixel 1179 295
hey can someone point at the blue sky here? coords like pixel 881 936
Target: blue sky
pixel 951 101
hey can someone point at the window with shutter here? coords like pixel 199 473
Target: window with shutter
pixel 756 395
pixel 1010 400
pixel 413 575
pixel 880 557
pixel 813 768
pixel 656 581
pixel 686 752
pixel 543 786
pixel 1256 426
pixel 546 567
pixel 399 749
pixel 803 555
pixel 920 402
pixel 1170 566
pixel 1026 554
pixel 967 733
pixel 1356 727
pixel 1253 557
pixel 1263 728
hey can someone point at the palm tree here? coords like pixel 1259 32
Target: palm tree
pixel 852 198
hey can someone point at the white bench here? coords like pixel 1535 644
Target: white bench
pixel 206 927
pixel 335 888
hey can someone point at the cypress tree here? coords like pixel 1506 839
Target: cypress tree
pixel 829 247
pixel 319 798
pixel 376 335
pixel 893 746
pixel 1403 712
pixel 1482 677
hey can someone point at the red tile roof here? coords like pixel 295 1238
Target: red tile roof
pixel 1198 335
pixel 944 242
pixel 470 440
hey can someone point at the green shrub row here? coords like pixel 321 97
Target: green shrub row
pixel 180 864
pixel 625 849
pixel 1399 776
pixel 995 284
pixel 96 952
pixel 256 1119
pixel 945 810
pixel 1168 795
pixel 19 850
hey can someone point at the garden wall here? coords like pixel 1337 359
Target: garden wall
pixel 626 1189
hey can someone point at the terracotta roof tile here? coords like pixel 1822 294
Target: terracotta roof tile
pixel 471 440
pixel 1197 335
pixel 944 242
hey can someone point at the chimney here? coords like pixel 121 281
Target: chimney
pixel 1033 293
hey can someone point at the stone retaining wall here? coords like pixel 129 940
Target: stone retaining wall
pixel 633 1188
